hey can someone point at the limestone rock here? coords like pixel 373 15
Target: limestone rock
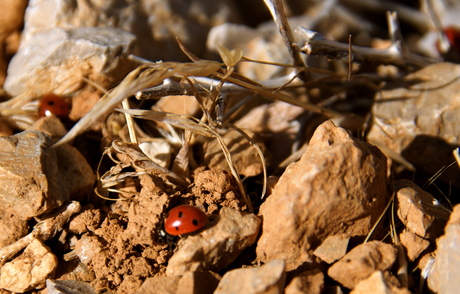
pixel 68 55
pixel 333 248
pixel 444 276
pixel 245 157
pixel 198 282
pixel 418 210
pixel 67 287
pixel 162 285
pixel 419 119
pixel 361 262
pixel 31 183
pixel 376 284
pixel 77 174
pixel 29 270
pixel 310 281
pixel 217 246
pixel 337 187
pixel 269 278
pixel 156 23
pixel 413 244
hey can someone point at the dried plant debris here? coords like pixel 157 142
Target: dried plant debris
pixel 229 147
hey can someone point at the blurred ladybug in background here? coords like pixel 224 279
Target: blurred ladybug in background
pixel 52 104
pixel 185 219
pixel 453 35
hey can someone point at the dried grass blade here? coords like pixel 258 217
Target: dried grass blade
pixel 144 76
pixel 176 120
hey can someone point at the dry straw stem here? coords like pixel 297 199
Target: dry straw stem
pixel 396 54
pixel 44 230
pixel 145 76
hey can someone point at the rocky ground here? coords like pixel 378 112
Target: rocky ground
pixel 324 153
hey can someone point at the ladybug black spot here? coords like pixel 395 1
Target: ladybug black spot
pixel 180 214
pixel 195 222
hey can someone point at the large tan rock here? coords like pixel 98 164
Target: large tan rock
pixel 337 187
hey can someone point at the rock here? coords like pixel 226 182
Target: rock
pixel 12 228
pixel 198 282
pixel 420 212
pixel 162 285
pixel 245 158
pixel 337 187
pixel 29 270
pixel 67 287
pixel 50 125
pixel 418 119
pixel 310 281
pixel 333 248
pixel 413 244
pixel 10 26
pixel 376 284
pixel 217 246
pixel 68 55
pixel 31 183
pixel 156 23
pixel 444 276
pixel 279 120
pixel 361 262
pixel 77 175
pixel 269 278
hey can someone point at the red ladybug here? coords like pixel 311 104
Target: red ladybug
pixel 185 219
pixel 453 35
pixel 53 104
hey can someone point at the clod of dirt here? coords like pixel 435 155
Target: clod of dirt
pixel 419 120
pixel 269 278
pixel 444 276
pixel 337 187
pixel 88 219
pixel 361 262
pixel 419 211
pixel 68 55
pixel 310 281
pixel 31 183
pixel 29 270
pixel 333 248
pixel 217 246
pixel 376 284
pixel 12 228
pixel 245 157
pixel 413 244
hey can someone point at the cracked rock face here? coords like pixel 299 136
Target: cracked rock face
pixel 31 183
pixel 337 187
pixel 419 119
